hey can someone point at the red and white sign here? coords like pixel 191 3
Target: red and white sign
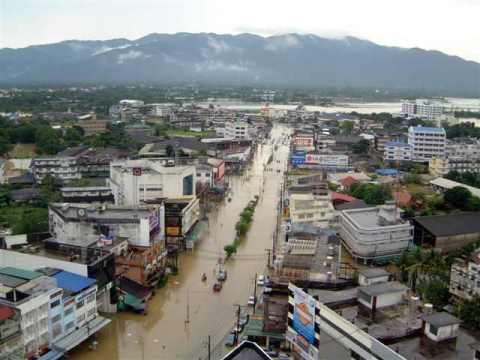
pixel 137 171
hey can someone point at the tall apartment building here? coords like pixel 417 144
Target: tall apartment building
pixel 374 234
pixel 91 125
pixel 422 108
pixel 63 168
pixel 134 182
pixel 465 277
pixel 239 129
pixel 313 207
pixel 86 225
pixel 426 142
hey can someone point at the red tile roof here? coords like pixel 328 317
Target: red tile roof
pixel 402 197
pixel 347 181
pixel 342 197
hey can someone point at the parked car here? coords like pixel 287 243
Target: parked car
pixel 251 301
pixel 261 280
pixel 222 275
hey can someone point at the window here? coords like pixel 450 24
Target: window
pixel 70 325
pixel 80 318
pixel 80 304
pixel 433 329
pixel 57 318
pixel 91 312
pixel 55 303
pixel 69 311
pixel 188 185
pixel 90 298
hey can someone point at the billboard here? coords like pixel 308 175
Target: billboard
pixel 304 315
pixel 154 220
pixel 327 159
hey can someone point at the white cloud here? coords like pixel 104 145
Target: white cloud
pixel 132 54
pixel 282 42
pixel 105 49
pixel 220 66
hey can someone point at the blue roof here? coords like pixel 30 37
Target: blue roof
pixel 425 129
pixel 397 143
pixel 73 282
pixel 386 172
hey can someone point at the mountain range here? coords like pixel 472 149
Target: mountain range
pixel 284 60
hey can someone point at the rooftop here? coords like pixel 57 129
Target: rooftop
pixel 383 288
pixel 425 129
pixel 247 350
pixel 19 273
pixel 72 282
pixel 449 184
pixel 441 319
pixel 451 224
pixel 374 272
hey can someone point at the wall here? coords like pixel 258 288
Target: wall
pixel 363 281
pixel 33 262
pixel 443 333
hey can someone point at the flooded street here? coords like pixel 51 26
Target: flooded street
pixel 184 313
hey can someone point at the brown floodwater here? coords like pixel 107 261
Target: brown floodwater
pixel 184 313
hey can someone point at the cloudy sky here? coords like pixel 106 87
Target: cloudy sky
pixel 450 26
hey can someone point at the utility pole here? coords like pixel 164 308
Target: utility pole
pixel 187 320
pixel 209 349
pixel 255 293
pixel 238 325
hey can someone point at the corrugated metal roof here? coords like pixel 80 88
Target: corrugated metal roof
pixel 73 282
pixel 20 273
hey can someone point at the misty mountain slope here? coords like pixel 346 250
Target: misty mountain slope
pixel 246 59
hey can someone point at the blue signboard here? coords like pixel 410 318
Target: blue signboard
pixel 304 315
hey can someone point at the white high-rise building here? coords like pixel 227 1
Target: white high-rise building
pixel 426 142
pixel 239 129
pixel 134 182
pixel 422 108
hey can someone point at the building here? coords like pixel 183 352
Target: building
pixel 440 332
pixel 31 293
pixel 94 262
pixel 447 232
pixel 465 277
pixel 63 168
pixel 91 125
pixel 374 234
pixel 205 174
pixel 466 148
pixel 371 276
pixel 328 161
pixel 383 137
pixel 309 319
pixel 303 141
pixel 141 181
pixel 239 129
pixel 426 142
pixel 379 296
pixel 87 224
pixel 88 194
pixel 397 151
pixel 441 185
pixel 180 218
pixel 11 342
pixel 313 206
pixel 438 167
pixel 422 108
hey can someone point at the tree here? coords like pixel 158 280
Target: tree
pixel 5 145
pixel 457 197
pixel 412 178
pixel 230 250
pixel 469 312
pixel 73 136
pixel 435 291
pixel 48 140
pixel 346 127
pixel 361 147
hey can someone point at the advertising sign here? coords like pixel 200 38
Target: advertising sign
pixel 304 315
pixel 154 220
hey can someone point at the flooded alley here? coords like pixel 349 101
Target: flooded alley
pixel 184 313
